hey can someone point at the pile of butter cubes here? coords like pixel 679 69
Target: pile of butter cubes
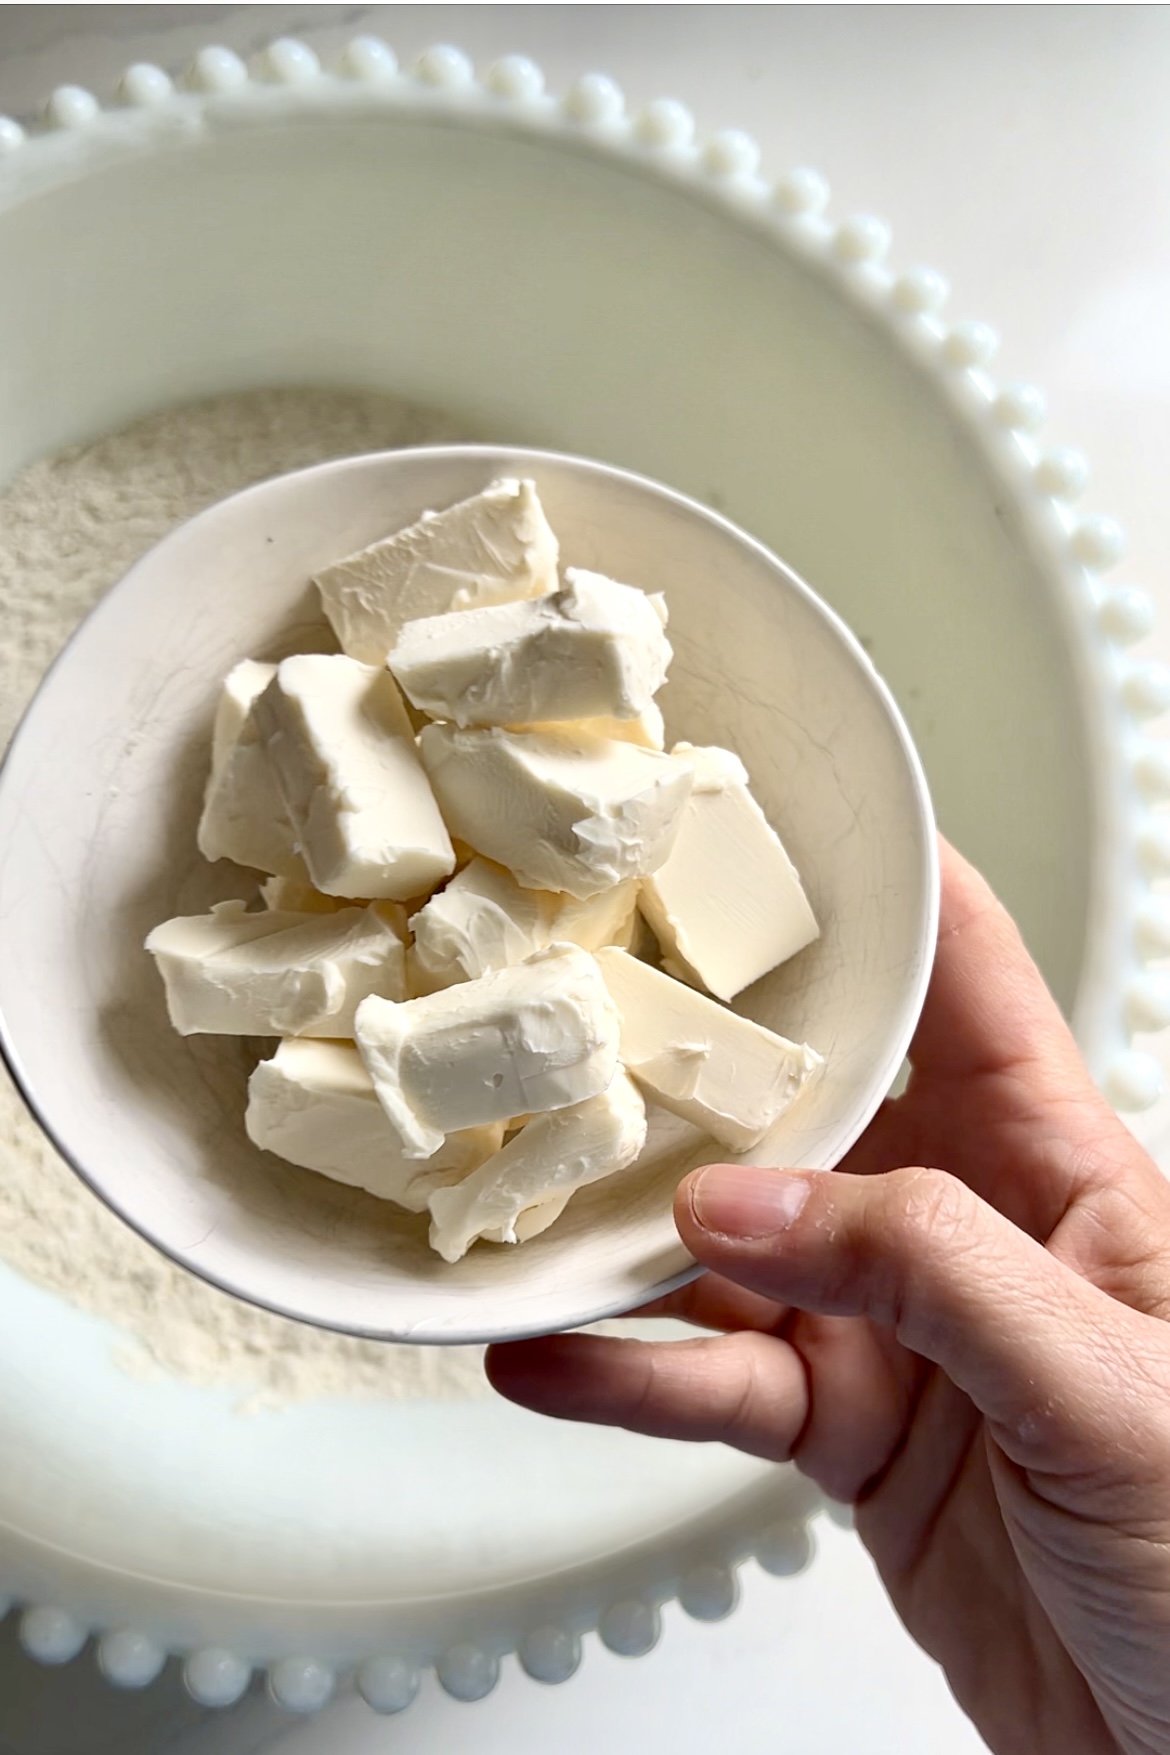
pixel 497 922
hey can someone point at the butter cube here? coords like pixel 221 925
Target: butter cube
pixel 483 919
pixel 526 1185
pixel 489 549
pixel 313 1104
pixel 541 1035
pixel 297 896
pixel 726 1074
pixel 274 973
pixel 344 756
pixel 647 729
pixel 592 649
pixel 243 813
pixel 605 919
pixel 726 904
pixel 562 812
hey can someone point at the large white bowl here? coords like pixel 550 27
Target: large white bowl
pixel 562 275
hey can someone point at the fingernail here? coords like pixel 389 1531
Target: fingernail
pixel 738 1200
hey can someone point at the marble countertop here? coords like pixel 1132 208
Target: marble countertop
pixel 1025 151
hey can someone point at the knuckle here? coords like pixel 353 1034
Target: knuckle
pixel 920 1215
pixel 759 1409
pixel 920 1205
pixel 742 1389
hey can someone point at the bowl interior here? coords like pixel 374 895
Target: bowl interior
pixel 98 807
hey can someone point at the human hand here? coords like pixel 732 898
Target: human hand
pixel 974 1350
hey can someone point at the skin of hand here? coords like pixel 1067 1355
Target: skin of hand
pixel 965 1332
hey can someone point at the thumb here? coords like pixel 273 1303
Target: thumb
pixel 1042 1353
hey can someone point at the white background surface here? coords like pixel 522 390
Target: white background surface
pixel 1025 151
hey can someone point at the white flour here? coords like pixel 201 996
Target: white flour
pixel 69 528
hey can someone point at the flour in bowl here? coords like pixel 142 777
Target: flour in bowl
pixel 70 526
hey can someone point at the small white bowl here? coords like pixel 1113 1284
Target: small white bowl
pixel 100 796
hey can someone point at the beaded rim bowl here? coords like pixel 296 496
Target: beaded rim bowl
pixel 1129 925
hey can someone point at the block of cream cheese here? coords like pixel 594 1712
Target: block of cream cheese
pixel 592 649
pixel 646 729
pixel 297 896
pixel 483 919
pixel 490 549
pixel 562 812
pixel 344 755
pixel 727 1075
pixel 244 817
pixel 727 902
pixel 549 1158
pixel 534 1219
pixel 275 973
pixel 313 1104
pixel 517 1041
pixel 605 919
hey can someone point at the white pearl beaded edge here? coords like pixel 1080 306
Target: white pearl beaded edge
pixel 663 137
pixel 467 1671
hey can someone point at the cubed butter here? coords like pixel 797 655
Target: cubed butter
pixel 562 812
pixel 274 973
pixel 313 1104
pixel 483 919
pixel 647 729
pixel 489 549
pixel 244 817
pixel 297 896
pixel 531 1178
pixel 726 904
pixel 532 1221
pixel 479 921
pixel 593 649
pixel 541 1035
pixel 605 919
pixel 726 1074
pixel 344 756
